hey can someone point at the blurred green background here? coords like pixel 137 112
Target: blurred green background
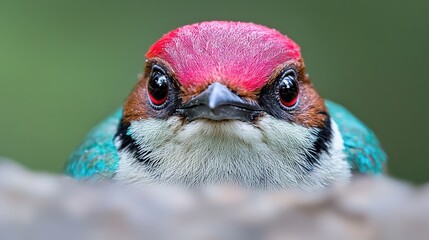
pixel 65 65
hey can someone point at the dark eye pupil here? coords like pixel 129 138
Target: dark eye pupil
pixel 158 88
pixel 288 90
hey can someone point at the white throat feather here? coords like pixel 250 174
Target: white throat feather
pixel 270 154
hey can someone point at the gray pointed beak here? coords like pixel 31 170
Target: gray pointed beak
pixel 217 102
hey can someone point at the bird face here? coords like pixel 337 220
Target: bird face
pixel 228 102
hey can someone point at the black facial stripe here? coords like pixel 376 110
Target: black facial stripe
pixel 130 145
pixel 322 143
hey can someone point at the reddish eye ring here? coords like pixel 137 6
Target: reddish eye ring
pixel 288 89
pixel 158 87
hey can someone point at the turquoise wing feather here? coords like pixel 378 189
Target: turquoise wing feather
pixel 97 156
pixel 363 150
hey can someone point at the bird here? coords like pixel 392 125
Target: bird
pixel 223 102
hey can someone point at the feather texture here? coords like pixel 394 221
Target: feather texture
pixel 361 146
pixel 97 156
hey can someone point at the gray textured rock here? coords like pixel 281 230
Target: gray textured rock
pixel 43 206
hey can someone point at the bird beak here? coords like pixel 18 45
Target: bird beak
pixel 217 102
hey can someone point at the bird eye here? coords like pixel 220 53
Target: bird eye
pixel 288 89
pixel 158 87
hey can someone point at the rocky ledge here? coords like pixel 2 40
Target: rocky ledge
pixel 45 206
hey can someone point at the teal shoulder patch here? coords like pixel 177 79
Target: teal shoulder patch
pixel 97 156
pixel 362 147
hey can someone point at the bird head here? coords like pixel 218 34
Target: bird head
pixel 227 102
